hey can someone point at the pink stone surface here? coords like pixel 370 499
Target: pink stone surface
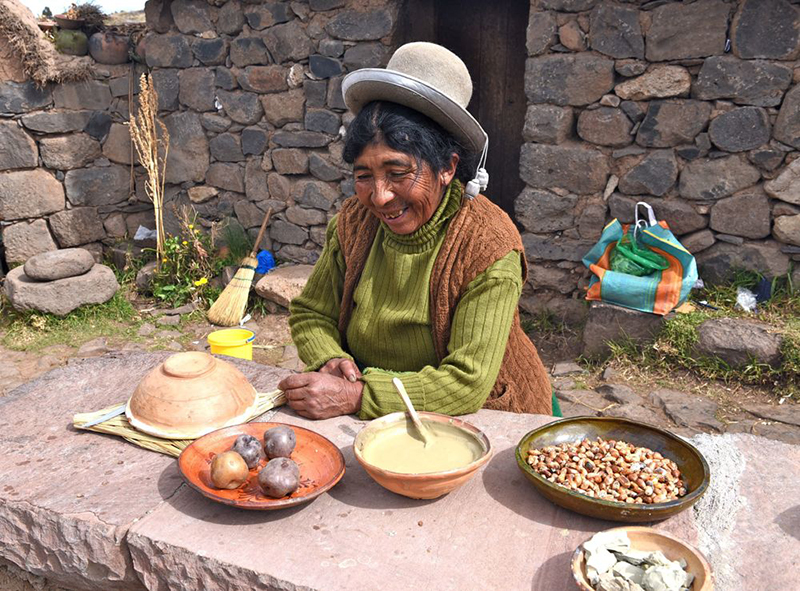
pixel 68 497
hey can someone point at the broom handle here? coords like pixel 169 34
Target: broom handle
pixel 261 232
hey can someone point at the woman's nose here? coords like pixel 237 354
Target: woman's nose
pixel 382 193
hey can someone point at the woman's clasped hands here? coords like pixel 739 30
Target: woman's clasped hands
pixel 332 391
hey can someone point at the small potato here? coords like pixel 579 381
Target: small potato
pixel 280 477
pixel 228 470
pixel 249 448
pixel 279 442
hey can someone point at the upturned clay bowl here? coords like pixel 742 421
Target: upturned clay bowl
pixel 691 463
pixel 188 395
pixel 428 485
pixel 63 21
pixel 650 540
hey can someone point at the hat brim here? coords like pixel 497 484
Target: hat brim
pixel 376 84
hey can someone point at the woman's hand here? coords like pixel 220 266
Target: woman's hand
pixel 317 395
pixel 341 368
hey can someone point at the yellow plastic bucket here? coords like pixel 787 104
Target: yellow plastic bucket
pixel 233 342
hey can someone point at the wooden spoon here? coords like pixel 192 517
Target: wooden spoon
pixel 426 435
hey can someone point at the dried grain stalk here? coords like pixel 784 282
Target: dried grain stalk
pixel 151 138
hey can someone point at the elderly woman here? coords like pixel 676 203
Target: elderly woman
pixel 420 276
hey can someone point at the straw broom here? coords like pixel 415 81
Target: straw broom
pixel 231 303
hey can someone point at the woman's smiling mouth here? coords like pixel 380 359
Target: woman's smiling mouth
pixel 394 215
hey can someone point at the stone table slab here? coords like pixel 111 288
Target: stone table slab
pixel 68 497
pixel 495 532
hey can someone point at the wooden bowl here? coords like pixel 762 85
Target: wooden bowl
pixel 429 485
pixel 650 540
pixel 320 461
pixel 693 466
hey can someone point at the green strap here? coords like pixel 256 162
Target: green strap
pixel 556 406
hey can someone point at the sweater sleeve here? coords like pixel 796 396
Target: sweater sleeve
pixel 315 312
pixel 478 337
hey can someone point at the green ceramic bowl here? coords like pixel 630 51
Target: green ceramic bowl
pixel 690 461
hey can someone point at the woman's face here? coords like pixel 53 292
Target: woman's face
pixel 400 194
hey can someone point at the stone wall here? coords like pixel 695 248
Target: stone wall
pixel 250 92
pixel 693 107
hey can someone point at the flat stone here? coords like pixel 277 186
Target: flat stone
pixel 287 233
pixel 630 68
pixel 197 88
pixel 289 42
pixel 168 86
pixel 94 348
pixel 301 139
pixel 58 264
pixel 605 126
pixel 169 321
pixel 188 156
pixel 364 55
pixel 787 229
pixel 226 176
pixel 620 394
pixel 158 16
pixel 786 186
pixel 767 430
pixel 283 284
pixel 191 17
pixel 787 125
pixel 290 161
pixel 215 123
pixel 672 122
pixel 146 329
pixel 248 214
pixel 69 151
pixel 543 211
pixel 572 37
pixel 89 94
pixel 566 368
pixel 322 169
pixel 616 31
pixel 740 129
pixel 658 82
pixel 118 147
pixel 541 32
pixel 765 29
pixel 266 15
pixel 324 67
pixel 284 107
pixel 226 79
pixel 766 159
pixel 77 226
pixel 335 98
pixel 29 194
pixel 26 239
pixel 171 50
pixel 685 31
pixel 686 410
pixel 607 323
pixel 351 25
pixel 757 83
pixel 575 80
pixel 248 50
pixel 714 179
pixel 255 184
pixel 242 107
pixel 547 124
pixel 231 18
pixel 62 296
pixel 322 120
pixel 568 5
pixel 227 147
pixel 654 175
pixel 22 97
pixel 742 215
pixel 717 264
pixel 559 249
pixel 314 194
pixel 575 169
pixel 211 52
pixel 324 5
pixel 638 413
pixel 98 186
pixel 560 280
pixel 19 149
pixel 202 194
pixel 785 413
pixel 306 217
pixel 56 121
pixel 254 140
pixel 263 79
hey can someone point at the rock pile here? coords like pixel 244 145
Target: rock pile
pixel 58 282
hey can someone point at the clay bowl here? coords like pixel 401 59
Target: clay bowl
pixel 320 461
pixel 428 485
pixel 691 463
pixel 650 540
pixel 63 21
pixel 188 395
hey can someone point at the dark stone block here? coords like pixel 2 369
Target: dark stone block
pixel 569 5
pixel 212 52
pixel 714 179
pixel 99 125
pixel 288 42
pixel 679 215
pixel 316 91
pixel 226 147
pixel 365 55
pixel 322 120
pixel 351 25
pixel 757 83
pixel 542 211
pixel 301 139
pixel 742 215
pixel 672 123
pixel 242 107
pixel 225 79
pixel 575 169
pixel 322 169
pixel 231 18
pixel 324 67
pixel 547 124
pixel 655 175
pixel 766 158
pixel 331 47
pixel 168 51
pixel 787 126
pixel 605 126
pixel 766 29
pixel 168 86
pixel 541 33
pixel 578 80
pixel 263 79
pixel 266 15
pixel 740 130
pixel 23 97
pixel 246 51
pixel 554 249
pixel 616 31
pixel 335 96
pixel 254 140
pixel 323 5
pixel 685 31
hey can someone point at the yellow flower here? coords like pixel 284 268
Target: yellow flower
pixel 201 281
pixel 163 260
pixel 184 243
pixel 191 226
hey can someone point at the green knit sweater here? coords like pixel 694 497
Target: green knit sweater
pixel 389 333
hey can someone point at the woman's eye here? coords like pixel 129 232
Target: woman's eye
pixel 363 177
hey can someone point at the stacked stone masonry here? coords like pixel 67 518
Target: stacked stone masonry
pixel 693 107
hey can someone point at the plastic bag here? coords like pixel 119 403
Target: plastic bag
pixel 633 259
pixel 745 299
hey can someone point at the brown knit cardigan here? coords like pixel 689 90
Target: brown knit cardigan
pixel 479 235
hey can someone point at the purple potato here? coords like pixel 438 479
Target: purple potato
pixel 279 442
pixel 249 448
pixel 280 477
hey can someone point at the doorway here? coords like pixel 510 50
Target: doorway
pixel 490 38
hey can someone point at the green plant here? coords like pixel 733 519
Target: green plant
pixel 238 243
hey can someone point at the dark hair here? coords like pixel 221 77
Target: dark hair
pixel 408 131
